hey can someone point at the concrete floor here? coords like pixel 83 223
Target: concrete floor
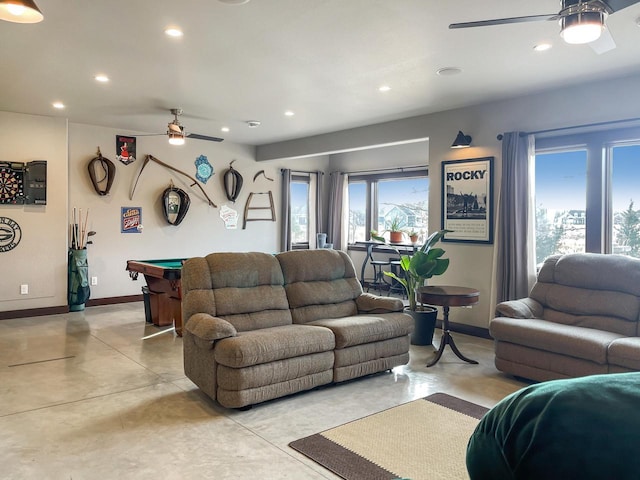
pixel 100 394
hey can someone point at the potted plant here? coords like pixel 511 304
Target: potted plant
pixel 413 236
pixel 417 268
pixel 395 231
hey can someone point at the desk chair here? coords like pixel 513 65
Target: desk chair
pixel 378 281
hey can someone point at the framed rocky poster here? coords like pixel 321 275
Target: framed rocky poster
pixel 467 200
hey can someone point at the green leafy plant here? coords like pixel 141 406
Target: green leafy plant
pixel 420 266
pixel 396 224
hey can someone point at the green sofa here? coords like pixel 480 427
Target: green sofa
pixel 260 326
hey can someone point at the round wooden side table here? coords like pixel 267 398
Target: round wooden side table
pixel 448 296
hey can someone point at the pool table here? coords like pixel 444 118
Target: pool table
pixel 165 292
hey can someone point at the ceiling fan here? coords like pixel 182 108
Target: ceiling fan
pixel 177 134
pixel 581 21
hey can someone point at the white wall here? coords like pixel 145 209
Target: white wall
pixel 201 232
pixel 472 264
pixel 40 259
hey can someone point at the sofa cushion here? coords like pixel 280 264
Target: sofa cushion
pixel 593 271
pixel 360 329
pixel 245 289
pixel 270 344
pixel 319 284
pixel 273 372
pixel 573 341
pixel 625 352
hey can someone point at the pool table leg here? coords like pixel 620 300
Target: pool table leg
pixel 176 309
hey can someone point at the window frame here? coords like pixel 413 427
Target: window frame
pixel 599 146
pixel 371 180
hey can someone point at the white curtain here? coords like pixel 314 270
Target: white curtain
pixel 338 221
pixel 515 265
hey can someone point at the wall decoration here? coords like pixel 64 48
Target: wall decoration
pixel 175 204
pixel 23 183
pixel 261 172
pixel 232 183
pixel 259 205
pixel 204 170
pixel 126 149
pixel 229 216
pixel 151 158
pixel 10 234
pixel 467 200
pixel 131 220
pixel 102 172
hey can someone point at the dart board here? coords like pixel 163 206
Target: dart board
pixel 11 184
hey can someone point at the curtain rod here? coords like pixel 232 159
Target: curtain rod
pixel 586 125
pixel 397 169
pixel 302 171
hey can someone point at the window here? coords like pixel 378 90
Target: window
pixel 561 202
pixel 300 210
pixel 377 201
pixel 584 193
pixel 625 200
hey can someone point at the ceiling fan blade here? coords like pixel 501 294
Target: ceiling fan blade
pixel 204 137
pixel 603 44
pixel 616 5
pixel 502 21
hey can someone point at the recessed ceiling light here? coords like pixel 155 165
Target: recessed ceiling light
pixel 289 113
pixel 101 78
pixel 174 32
pixel 384 88
pixel 58 105
pixel 225 129
pixel 542 47
pixel 448 71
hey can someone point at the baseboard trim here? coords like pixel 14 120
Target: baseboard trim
pixel 114 300
pixel 39 312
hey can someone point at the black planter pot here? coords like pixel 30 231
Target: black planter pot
pixel 425 324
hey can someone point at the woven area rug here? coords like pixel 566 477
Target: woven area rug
pixel 421 440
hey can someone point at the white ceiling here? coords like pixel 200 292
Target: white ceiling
pixel 322 59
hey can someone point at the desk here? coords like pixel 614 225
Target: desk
pixel 163 280
pixel 370 244
pixel 448 297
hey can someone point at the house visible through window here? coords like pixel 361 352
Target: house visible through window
pixel 586 193
pixel 384 201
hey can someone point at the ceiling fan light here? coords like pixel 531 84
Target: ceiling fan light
pixel 580 28
pixel 176 138
pixel 20 11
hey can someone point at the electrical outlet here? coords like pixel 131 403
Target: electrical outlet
pixel 24 289
pixel 94 280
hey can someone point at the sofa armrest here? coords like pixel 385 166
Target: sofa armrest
pixel 368 303
pixel 522 308
pixel 206 329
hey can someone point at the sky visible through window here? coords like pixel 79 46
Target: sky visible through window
pixel 561 179
pixel 392 192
